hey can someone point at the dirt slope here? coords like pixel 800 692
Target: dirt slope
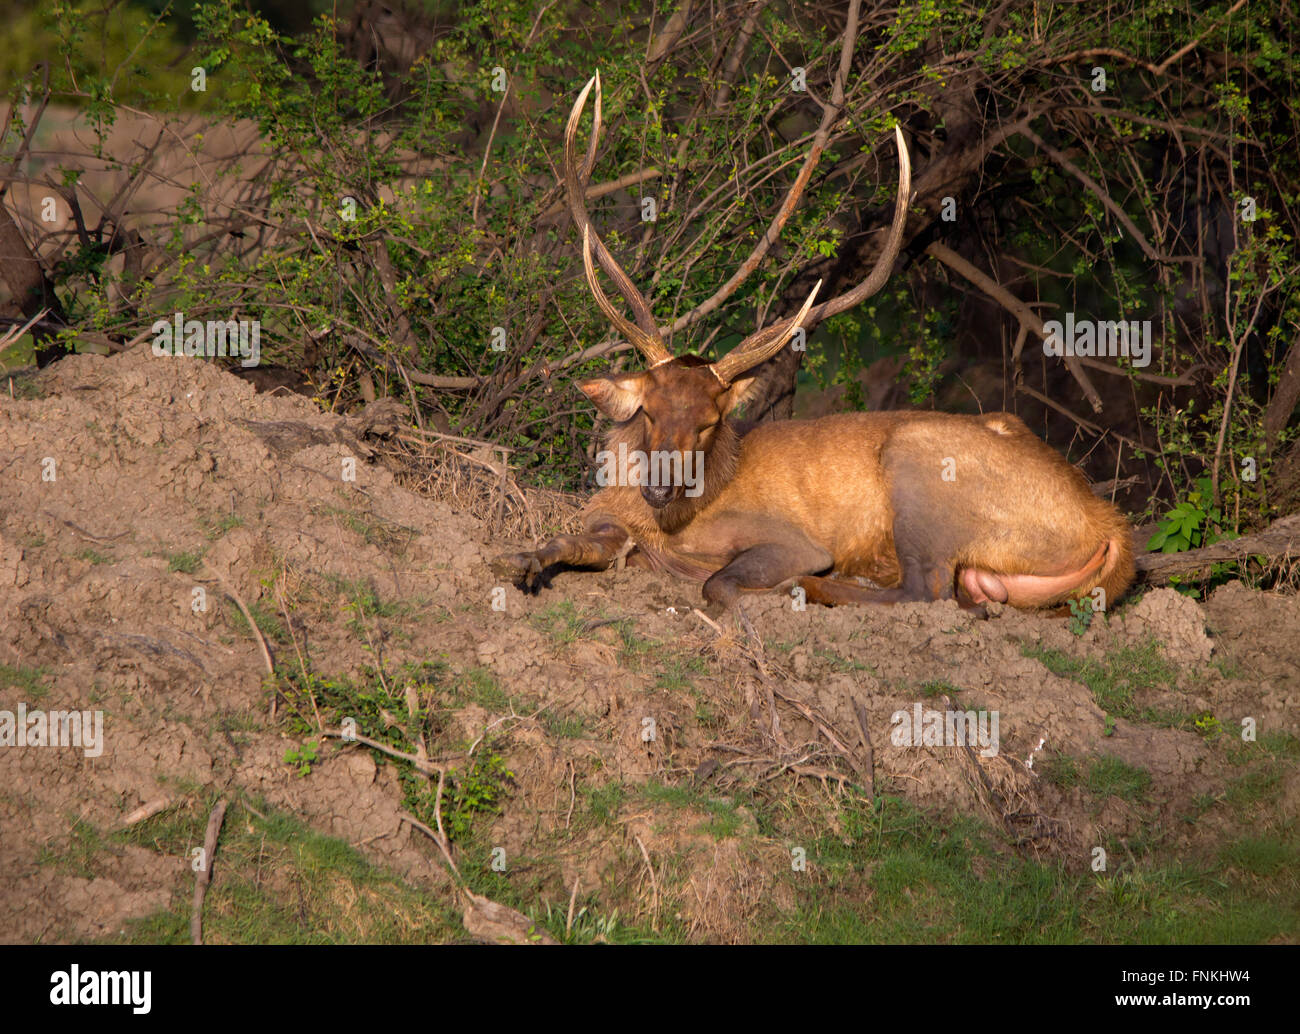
pixel 133 486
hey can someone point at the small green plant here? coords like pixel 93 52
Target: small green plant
pixel 1207 725
pixel 478 787
pixel 77 853
pixel 1193 523
pixel 303 757
pixel 93 557
pixel 184 563
pixel 563 726
pixel 938 688
pixel 480 686
pixel 1111 777
pixel 215 527
pixel 1081 615
pixel 634 648
pixel 603 802
pixel 1116 681
pixel 1061 770
pixel 562 622
pixel 678 671
pixel 268 621
pixel 30 681
pixel 584 927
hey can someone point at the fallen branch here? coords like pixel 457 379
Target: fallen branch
pixel 868 751
pixel 205 874
pixel 422 765
pixel 1279 540
pixel 146 811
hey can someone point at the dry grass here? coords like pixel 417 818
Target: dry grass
pixel 474 477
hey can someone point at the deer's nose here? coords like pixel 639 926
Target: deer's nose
pixel 658 496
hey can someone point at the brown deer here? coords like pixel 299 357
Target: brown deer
pixel 923 505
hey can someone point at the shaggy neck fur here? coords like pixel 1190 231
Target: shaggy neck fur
pixel 647 523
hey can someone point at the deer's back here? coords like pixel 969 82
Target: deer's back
pixel 841 479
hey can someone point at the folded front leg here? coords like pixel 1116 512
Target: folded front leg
pixel 598 546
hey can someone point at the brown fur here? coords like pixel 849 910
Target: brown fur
pixel 853 495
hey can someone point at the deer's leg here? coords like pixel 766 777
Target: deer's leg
pixel 764 566
pixel 921 581
pixel 836 592
pixel 598 546
pixel 925 576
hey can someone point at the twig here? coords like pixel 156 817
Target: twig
pixel 85 534
pixel 573 797
pixel 439 838
pixel 423 765
pixel 573 900
pixel 15 332
pixel 708 621
pixel 204 876
pixel 233 593
pixel 147 811
pixel 869 753
pixel 830 112
pixel 1021 311
pixel 302 664
pixel 487 151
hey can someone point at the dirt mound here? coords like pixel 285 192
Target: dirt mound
pixel 602 745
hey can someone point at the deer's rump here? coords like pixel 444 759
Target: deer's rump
pixel 980 497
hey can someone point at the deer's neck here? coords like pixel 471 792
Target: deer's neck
pixel 718 467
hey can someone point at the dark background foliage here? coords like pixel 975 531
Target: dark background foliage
pixel 392 197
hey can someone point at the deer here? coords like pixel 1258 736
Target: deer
pixel 860 507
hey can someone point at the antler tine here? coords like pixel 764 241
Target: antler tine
pixel 766 343
pixel 651 348
pixel 893 243
pixel 761 345
pixel 644 334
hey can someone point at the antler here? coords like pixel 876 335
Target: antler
pixel 893 243
pixel 765 343
pixel 761 346
pixel 644 334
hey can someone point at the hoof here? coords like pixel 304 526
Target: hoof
pixel 522 569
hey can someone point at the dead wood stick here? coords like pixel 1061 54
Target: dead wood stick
pixel 424 765
pixel 147 811
pixel 1280 539
pixel 233 593
pixel 204 876
pixel 868 751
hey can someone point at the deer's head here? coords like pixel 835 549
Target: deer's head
pixel 678 406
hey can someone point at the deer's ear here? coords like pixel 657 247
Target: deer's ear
pixel 738 394
pixel 617 397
